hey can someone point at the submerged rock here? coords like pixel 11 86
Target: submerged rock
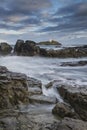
pixel 27 48
pixel 78 63
pixel 42 99
pixel 5 48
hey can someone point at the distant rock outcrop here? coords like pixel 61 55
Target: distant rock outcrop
pixel 27 48
pixel 5 48
pixel 51 42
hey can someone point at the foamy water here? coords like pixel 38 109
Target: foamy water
pixel 47 69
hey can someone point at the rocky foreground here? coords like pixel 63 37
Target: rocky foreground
pixel 24 107
pixel 31 48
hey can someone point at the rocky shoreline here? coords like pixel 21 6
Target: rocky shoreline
pixel 21 100
pixel 31 48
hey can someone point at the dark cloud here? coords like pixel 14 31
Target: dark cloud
pixel 69 18
pixel 23 12
pixel 42 17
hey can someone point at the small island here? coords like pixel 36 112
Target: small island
pixel 50 42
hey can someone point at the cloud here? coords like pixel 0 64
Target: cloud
pixel 17 14
pixel 69 18
pixel 42 18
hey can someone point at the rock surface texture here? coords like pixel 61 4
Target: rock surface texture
pixel 27 48
pixel 5 48
pixel 77 98
pixel 13 89
pixel 65 52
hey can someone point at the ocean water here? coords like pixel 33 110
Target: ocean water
pixel 47 69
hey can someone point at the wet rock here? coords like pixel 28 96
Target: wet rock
pixel 69 124
pixel 65 52
pixel 27 48
pixel 24 121
pixel 13 89
pixel 77 97
pixel 5 48
pixel 35 86
pixel 64 110
pixel 52 84
pixel 34 82
pixel 72 64
pixel 41 99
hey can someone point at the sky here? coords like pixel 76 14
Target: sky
pixel 41 20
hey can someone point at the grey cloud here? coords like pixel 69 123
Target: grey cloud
pixel 73 18
pixel 21 8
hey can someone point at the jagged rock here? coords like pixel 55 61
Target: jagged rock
pixel 5 48
pixel 77 97
pixel 13 89
pixel 64 110
pixel 27 48
pixel 65 52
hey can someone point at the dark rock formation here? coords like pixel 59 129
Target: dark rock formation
pixel 27 48
pixel 13 89
pixel 51 42
pixel 72 64
pixel 64 110
pixel 65 52
pixel 5 48
pixel 77 97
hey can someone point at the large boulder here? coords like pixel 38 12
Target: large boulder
pixel 13 89
pixel 77 97
pixel 5 48
pixel 27 48
pixel 64 110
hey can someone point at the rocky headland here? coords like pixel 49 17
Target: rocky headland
pixel 31 48
pixel 21 100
